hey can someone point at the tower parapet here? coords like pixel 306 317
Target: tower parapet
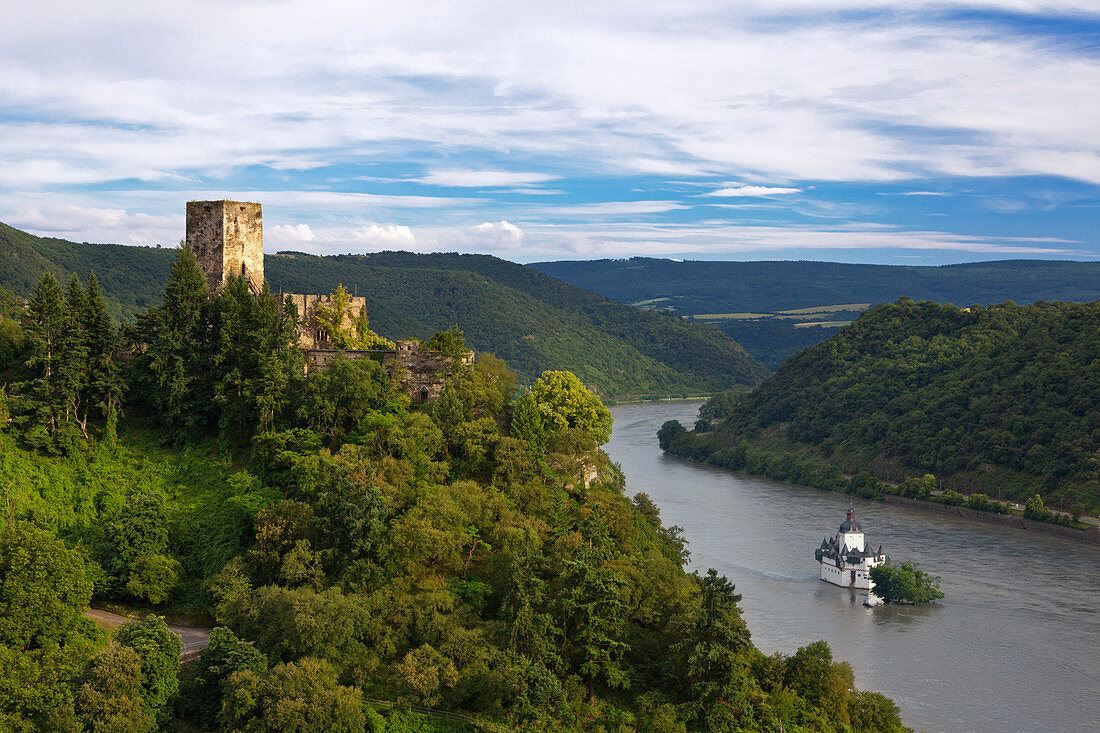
pixel 227 238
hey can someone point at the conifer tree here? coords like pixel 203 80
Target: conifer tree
pixel 43 323
pixel 72 364
pixel 102 342
pixel 594 610
pixel 172 364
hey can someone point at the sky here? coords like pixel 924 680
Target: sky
pixel 917 132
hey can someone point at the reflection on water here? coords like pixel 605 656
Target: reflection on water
pixel 1012 647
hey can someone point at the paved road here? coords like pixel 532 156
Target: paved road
pixel 193 638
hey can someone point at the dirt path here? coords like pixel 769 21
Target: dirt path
pixel 194 638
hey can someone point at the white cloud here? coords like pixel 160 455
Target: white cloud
pixel 383 235
pixel 286 235
pixel 496 234
pixel 615 208
pixel 734 191
pixel 87 224
pixel 483 178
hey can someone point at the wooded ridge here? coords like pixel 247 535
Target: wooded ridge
pixel 531 320
pixel 994 400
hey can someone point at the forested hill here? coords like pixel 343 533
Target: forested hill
pixel 776 309
pixel 1000 400
pixel 530 319
pixel 719 287
pixel 131 277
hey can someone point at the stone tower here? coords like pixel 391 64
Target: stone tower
pixel 227 238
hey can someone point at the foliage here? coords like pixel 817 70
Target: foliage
pixel 225 655
pixel 477 554
pixel 44 639
pixel 905 584
pixel 533 321
pixel 298 697
pixel 158 650
pixel 564 402
pixel 109 701
pixel 347 327
pixel 980 398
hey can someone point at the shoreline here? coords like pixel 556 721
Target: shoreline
pixel 1089 536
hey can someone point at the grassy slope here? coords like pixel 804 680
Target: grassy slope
pixel 72 494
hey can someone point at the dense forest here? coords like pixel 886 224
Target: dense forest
pixel 996 401
pixel 746 295
pixel 476 554
pixel 534 322
pixel 719 287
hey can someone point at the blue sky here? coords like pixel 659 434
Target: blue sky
pixel 846 130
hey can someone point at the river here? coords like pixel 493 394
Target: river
pixel 1014 646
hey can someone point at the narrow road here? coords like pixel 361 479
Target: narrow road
pixel 193 638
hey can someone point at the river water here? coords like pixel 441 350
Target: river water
pixel 1014 646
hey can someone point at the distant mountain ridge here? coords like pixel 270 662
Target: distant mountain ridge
pixel 529 319
pixel 693 287
pixel 752 302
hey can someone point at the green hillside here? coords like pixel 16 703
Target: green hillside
pixel 533 321
pixel 999 400
pixel 353 551
pixel 132 277
pixel 751 301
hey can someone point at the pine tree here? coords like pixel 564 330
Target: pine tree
pixel 72 364
pixel 43 323
pixel 595 614
pixel 172 365
pixel 102 342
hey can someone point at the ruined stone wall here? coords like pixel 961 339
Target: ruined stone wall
pixel 227 239
pixel 422 372
pixel 311 335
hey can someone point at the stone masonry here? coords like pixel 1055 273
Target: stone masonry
pixel 311 334
pixel 227 238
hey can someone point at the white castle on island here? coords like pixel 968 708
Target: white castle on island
pixel 845 561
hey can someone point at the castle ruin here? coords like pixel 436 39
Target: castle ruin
pixel 227 240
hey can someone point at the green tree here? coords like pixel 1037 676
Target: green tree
pixel 255 360
pixel 527 422
pixel 41 399
pixel 139 529
pixel 595 615
pixel 72 366
pixel 225 655
pixel 159 650
pixel 905 584
pixel 451 342
pixel 172 367
pixel 297 697
pixel 104 383
pixel 44 588
pixel 347 327
pixel 716 664
pixel 44 639
pixel 109 700
pixel 565 403
pixel 153 577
